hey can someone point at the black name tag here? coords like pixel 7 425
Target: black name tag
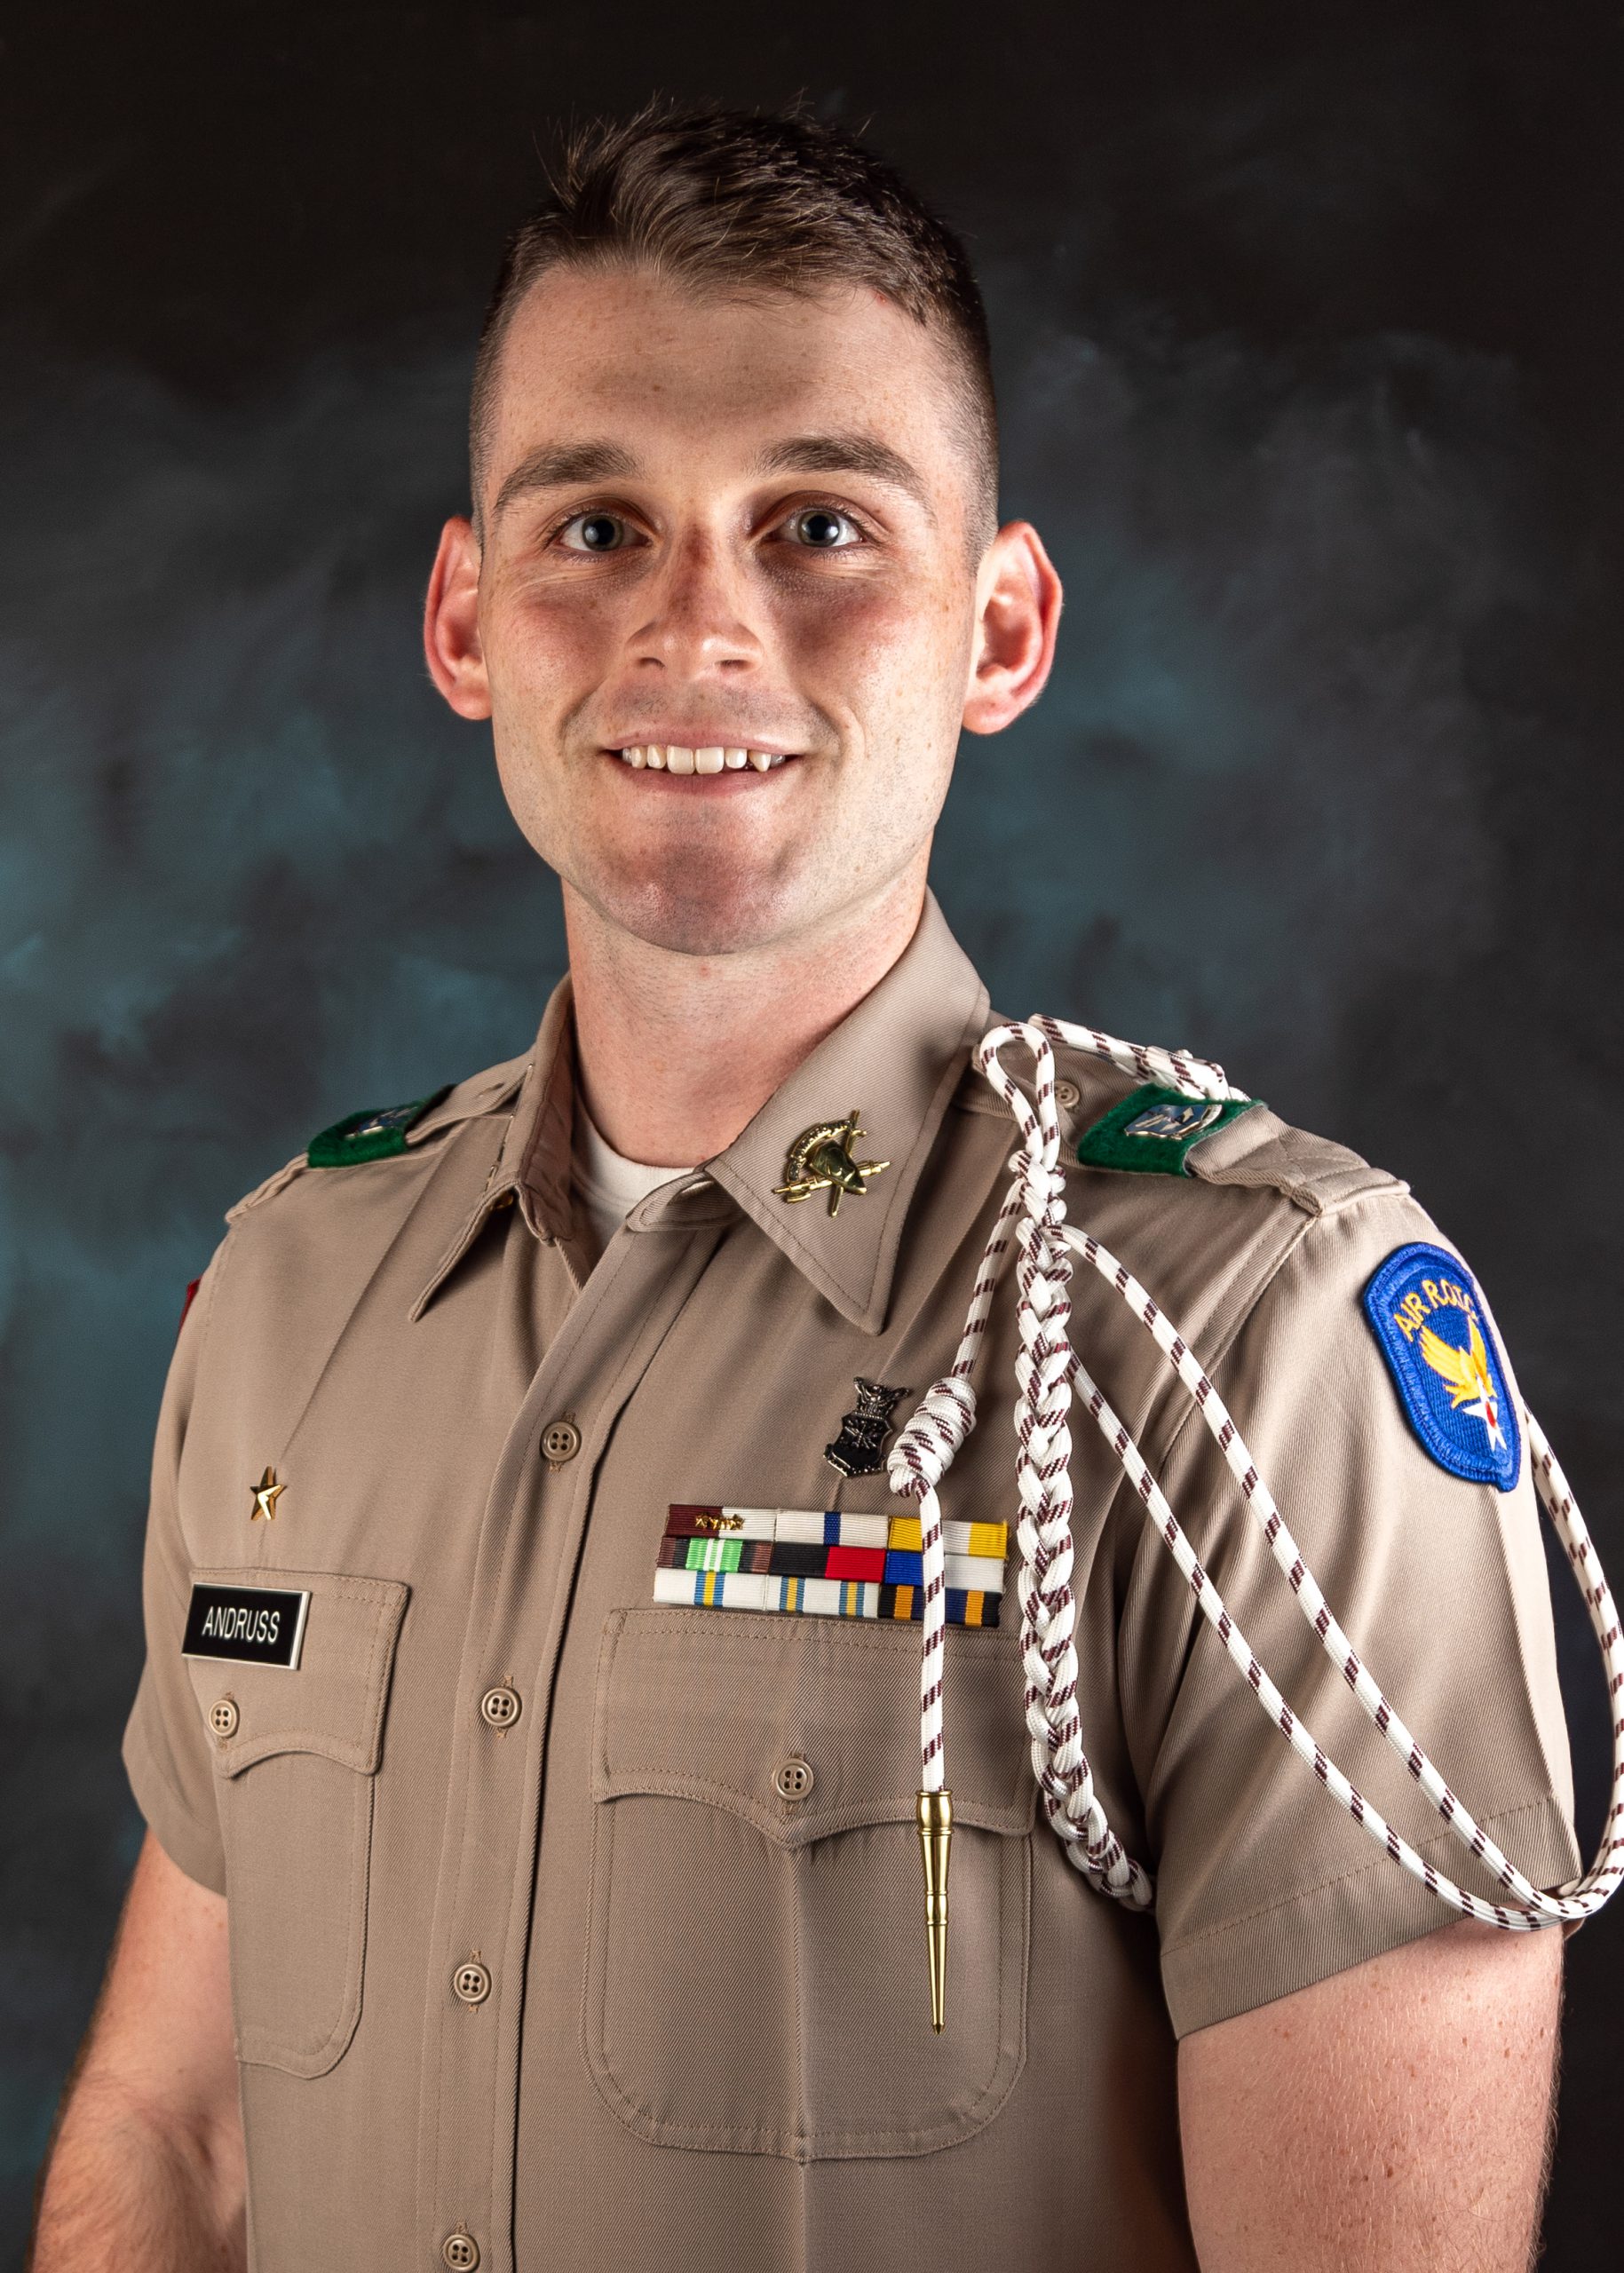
pixel 250 1626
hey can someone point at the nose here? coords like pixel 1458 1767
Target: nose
pixel 696 622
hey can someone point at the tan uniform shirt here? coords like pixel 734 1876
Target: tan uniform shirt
pixel 706 2039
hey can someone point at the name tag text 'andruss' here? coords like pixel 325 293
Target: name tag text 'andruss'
pixel 252 1626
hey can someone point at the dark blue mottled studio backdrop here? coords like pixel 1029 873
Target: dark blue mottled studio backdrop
pixel 1308 328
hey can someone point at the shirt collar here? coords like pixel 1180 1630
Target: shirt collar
pixel 538 1133
pixel 895 1058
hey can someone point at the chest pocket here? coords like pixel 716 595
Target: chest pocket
pixel 297 1753
pixel 756 1973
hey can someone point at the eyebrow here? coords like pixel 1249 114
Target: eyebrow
pixel 560 466
pixel 848 453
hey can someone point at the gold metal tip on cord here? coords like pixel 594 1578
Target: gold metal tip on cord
pixel 935 1819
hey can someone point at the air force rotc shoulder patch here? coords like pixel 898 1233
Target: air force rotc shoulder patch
pixel 1427 1315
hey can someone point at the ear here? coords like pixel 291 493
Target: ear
pixel 451 622
pixel 1016 620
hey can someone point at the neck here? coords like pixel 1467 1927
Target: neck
pixel 676 1052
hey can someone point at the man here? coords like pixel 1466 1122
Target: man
pixel 513 1899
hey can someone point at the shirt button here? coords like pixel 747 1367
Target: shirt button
pixel 1067 1094
pixel 560 1442
pixel 472 1982
pixel 500 1707
pixel 461 2251
pixel 794 1779
pixel 223 1717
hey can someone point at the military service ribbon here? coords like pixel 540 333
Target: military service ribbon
pixel 825 1563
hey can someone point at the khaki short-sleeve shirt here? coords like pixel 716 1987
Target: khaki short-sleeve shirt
pixel 573 1923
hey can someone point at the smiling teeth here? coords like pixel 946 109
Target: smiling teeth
pixel 672 759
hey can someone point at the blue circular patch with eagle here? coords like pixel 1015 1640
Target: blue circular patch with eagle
pixel 1428 1315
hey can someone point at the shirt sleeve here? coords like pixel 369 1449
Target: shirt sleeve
pixel 166 1750
pixel 1264 1883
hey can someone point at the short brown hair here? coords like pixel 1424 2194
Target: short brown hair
pixel 742 201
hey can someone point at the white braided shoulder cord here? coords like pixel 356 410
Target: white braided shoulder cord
pixel 1048 1373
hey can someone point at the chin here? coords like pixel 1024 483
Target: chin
pixel 699 909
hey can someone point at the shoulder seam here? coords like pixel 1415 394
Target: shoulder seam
pixel 277 1181
pixel 1262 1150
pixel 503 1082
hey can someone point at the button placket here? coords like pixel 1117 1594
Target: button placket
pixel 532 1532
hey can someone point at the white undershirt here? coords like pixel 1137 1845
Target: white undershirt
pixel 607 1185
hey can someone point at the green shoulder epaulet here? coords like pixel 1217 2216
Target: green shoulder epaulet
pixel 369 1135
pixel 1154 1130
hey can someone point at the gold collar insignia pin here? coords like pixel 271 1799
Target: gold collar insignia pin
pixel 266 1493
pixel 820 1159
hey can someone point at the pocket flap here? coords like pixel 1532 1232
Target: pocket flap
pixel 332 1703
pixel 708 1705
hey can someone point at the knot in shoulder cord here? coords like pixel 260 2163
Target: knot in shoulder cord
pixel 1048 1375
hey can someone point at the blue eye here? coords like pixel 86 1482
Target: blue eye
pixel 597 532
pixel 821 526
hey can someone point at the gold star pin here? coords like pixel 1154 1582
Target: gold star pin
pixel 266 1493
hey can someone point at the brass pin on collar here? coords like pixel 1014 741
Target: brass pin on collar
pixel 934 1815
pixel 820 1159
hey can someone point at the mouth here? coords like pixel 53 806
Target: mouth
pixel 670 757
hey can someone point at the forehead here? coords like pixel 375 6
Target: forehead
pixel 625 354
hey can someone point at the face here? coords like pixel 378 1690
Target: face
pixel 732 536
